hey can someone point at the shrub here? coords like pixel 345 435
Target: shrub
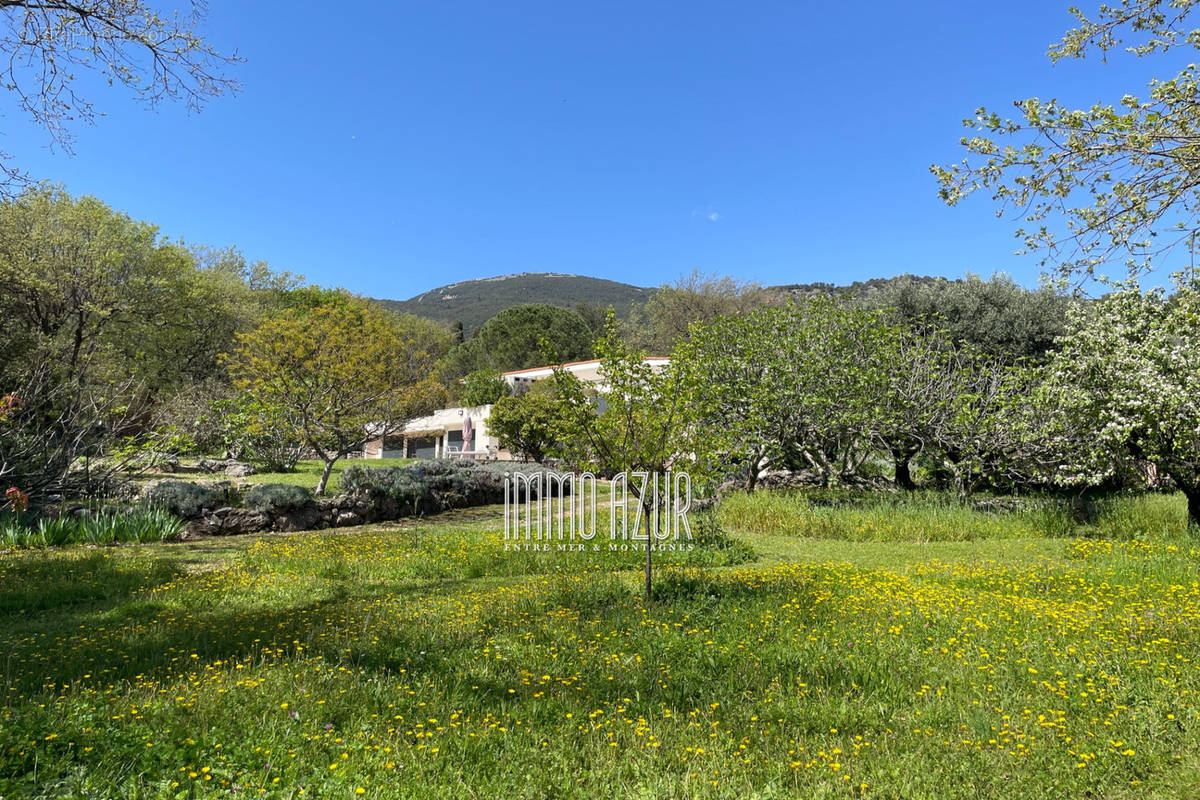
pixel 432 486
pixel 185 499
pixel 273 498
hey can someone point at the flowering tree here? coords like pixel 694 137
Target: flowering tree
pixel 1102 183
pixel 1127 379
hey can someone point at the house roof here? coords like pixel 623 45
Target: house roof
pixel 591 362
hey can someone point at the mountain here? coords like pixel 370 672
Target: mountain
pixel 476 301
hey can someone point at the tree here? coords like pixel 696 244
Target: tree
pixel 1125 384
pixel 1101 183
pixel 799 384
pixel 520 337
pixel 157 57
pixel 737 379
pixel 995 316
pixel 54 433
pixel 75 274
pixel 695 299
pixel 484 387
pixel 105 298
pixel 995 430
pixel 924 379
pixel 340 374
pixel 594 315
pixel 99 318
pixel 638 427
pixel 532 424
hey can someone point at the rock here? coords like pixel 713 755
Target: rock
pixel 150 486
pixel 229 466
pixel 346 518
pixel 300 519
pixel 236 521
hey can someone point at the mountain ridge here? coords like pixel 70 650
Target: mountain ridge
pixel 473 302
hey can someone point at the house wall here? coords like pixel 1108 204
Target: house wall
pixel 430 436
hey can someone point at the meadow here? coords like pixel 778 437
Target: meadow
pixel 863 651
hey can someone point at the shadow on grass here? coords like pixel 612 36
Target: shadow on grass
pixel 355 625
pixel 36 583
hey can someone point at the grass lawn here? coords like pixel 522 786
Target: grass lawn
pixel 307 473
pixel 420 660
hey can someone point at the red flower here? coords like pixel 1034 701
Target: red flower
pixel 17 500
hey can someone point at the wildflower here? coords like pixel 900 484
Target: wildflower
pixel 17 500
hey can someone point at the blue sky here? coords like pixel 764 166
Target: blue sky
pixel 401 146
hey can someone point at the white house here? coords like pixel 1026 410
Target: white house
pixel 441 434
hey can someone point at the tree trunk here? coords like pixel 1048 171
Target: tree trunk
pixel 649 544
pixel 1190 486
pixel 325 476
pixel 649 567
pixel 1193 501
pixel 752 473
pixel 901 458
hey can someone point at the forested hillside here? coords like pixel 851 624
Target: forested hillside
pixel 474 302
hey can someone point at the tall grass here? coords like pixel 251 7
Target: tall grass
pixel 106 527
pixel 935 517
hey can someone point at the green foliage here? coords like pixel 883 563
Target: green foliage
pixel 484 387
pixel 995 316
pixel 185 499
pixel 247 426
pixel 105 527
pixel 637 423
pixel 274 498
pixel 146 451
pixel 336 375
pixel 533 424
pixel 100 319
pixel 523 336
pixel 104 297
pixel 804 384
pixel 697 299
